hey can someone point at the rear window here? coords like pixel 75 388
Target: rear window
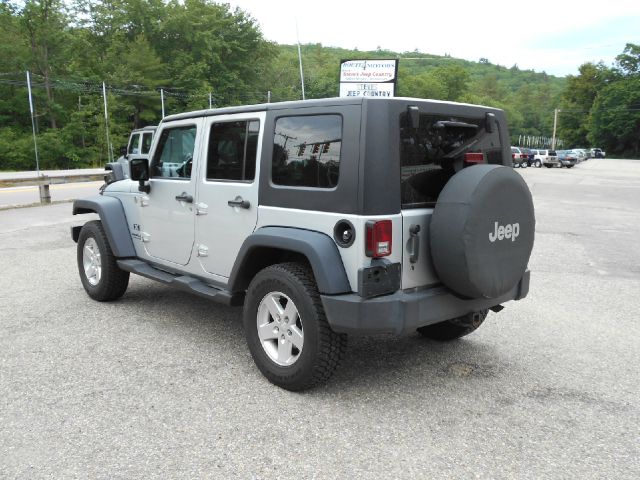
pixel 439 147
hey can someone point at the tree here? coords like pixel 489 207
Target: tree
pixel 629 60
pixel 577 99
pixel 137 64
pixel 615 123
pixel 45 23
pixel 455 79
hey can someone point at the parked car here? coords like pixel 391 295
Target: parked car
pixel 138 146
pixel 597 153
pixel 579 153
pixel 549 158
pixel 567 159
pixel 518 158
pixel 531 160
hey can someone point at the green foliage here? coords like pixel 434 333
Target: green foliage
pixel 191 48
pixel 601 105
pixel 615 117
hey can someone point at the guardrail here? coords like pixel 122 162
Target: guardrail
pixel 43 182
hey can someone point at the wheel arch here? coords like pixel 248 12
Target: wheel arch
pixel 114 222
pixel 271 245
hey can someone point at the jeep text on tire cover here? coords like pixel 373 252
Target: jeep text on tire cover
pixel 321 218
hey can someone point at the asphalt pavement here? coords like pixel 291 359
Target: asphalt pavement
pixel 160 384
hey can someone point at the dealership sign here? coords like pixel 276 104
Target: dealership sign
pixel 368 78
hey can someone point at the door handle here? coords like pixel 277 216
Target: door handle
pixel 184 197
pixel 239 202
pixel 414 243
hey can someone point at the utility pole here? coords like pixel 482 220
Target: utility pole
pixel 555 125
pixel 33 124
pixel 106 123
pixel 286 139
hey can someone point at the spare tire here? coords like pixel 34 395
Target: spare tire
pixel 482 231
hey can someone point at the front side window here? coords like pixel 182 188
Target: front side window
pixel 174 155
pixel 134 144
pixel 233 148
pixel 306 151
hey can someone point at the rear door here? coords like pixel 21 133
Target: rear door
pixel 430 155
pixel 227 203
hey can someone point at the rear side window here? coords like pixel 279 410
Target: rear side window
pixel 146 142
pixel 306 151
pixel 232 150
pixel 439 147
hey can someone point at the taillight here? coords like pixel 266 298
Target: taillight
pixel 474 157
pixel 378 238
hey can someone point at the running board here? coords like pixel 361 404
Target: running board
pixel 181 282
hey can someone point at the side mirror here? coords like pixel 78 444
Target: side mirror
pixel 139 168
pixel 123 151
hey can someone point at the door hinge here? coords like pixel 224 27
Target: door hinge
pixel 143 200
pixel 203 251
pixel 146 237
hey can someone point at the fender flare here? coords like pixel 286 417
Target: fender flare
pixel 319 249
pixel 113 220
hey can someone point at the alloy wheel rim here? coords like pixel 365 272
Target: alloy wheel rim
pixel 280 329
pixel 92 261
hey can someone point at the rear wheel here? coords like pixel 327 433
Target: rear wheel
pixel 538 164
pixel 100 275
pixel 454 328
pixel 286 328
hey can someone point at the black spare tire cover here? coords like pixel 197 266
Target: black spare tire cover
pixel 482 231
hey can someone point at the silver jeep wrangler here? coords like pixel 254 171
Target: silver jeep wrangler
pixel 322 218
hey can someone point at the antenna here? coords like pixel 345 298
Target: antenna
pixel 300 61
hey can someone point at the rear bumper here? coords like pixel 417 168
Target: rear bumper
pixel 402 312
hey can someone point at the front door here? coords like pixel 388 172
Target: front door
pixel 167 214
pixel 227 206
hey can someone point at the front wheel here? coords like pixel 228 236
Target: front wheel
pixel 454 328
pixel 286 328
pixel 101 277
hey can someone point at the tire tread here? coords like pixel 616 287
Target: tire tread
pixel 114 281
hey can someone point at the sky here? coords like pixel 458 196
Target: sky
pixel 543 35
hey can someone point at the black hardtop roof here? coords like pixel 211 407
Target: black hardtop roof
pixel 323 102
